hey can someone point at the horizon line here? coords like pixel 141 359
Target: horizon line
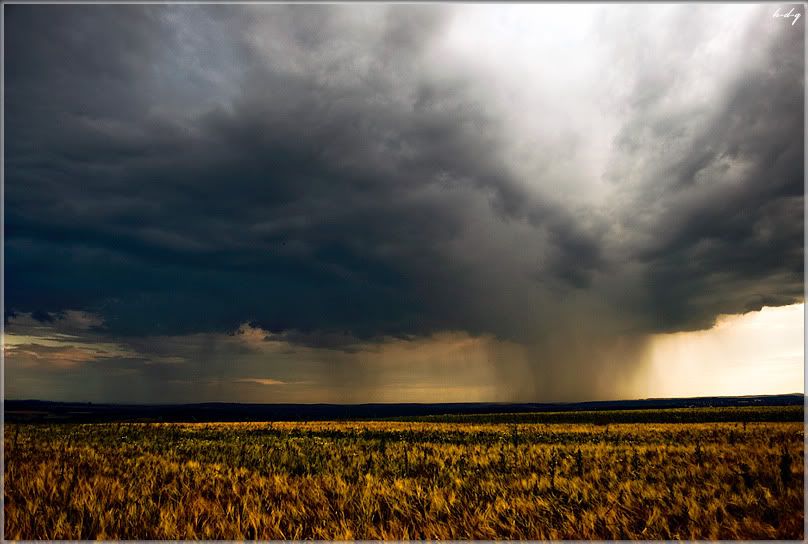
pixel 506 403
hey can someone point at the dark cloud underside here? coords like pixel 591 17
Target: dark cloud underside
pixel 318 172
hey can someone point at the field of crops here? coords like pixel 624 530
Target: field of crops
pixel 404 480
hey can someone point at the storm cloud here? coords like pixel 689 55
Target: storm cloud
pixel 344 176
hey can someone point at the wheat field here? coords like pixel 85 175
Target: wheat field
pixel 404 480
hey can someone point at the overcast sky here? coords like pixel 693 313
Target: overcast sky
pixel 352 203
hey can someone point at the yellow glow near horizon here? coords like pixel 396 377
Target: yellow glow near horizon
pixel 754 353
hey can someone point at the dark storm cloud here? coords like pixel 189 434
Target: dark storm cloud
pixel 724 191
pixel 318 172
pixel 322 195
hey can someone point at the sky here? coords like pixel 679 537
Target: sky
pixel 402 203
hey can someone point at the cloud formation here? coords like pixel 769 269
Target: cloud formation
pixel 351 175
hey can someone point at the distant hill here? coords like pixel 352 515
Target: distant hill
pixel 45 411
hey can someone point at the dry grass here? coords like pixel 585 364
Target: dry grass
pixel 400 480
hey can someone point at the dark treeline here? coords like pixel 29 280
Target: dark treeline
pixel 753 408
pixel 739 414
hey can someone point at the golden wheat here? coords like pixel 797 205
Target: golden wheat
pixel 404 480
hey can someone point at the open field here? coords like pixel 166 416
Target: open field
pixel 402 480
